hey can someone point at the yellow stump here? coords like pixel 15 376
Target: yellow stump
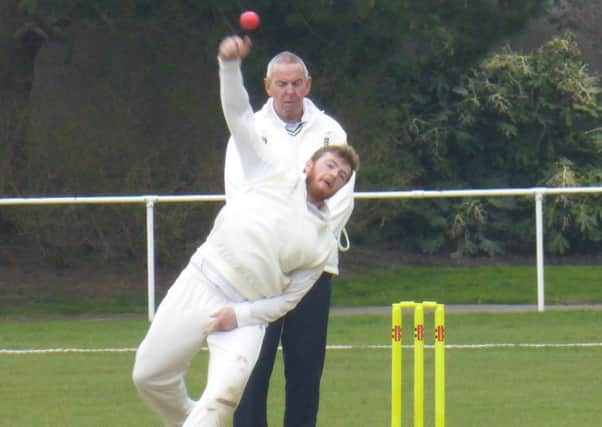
pixel 418 365
pixel 440 365
pixel 396 365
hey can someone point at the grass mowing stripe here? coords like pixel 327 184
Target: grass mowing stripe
pixel 487 284
pixel 469 285
pixel 331 347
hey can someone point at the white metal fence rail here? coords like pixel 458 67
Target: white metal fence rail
pixel 150 200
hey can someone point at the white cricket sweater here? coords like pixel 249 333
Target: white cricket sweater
pixel 269 245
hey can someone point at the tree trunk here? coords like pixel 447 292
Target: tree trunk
pixel 20 40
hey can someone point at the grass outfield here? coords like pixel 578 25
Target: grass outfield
pixel 495 386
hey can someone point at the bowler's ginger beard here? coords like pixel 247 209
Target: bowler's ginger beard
pixel 316 193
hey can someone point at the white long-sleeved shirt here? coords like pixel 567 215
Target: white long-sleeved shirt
pixel 264 135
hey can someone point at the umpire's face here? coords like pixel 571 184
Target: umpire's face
pixel 288 85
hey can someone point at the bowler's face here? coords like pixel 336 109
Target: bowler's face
pixel 287 87
pixel 326 176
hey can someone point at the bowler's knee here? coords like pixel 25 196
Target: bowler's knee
pixel 142 377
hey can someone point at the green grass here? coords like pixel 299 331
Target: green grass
pixel 474 285
pixel 493 387
pixel 75 308
pixel 452 285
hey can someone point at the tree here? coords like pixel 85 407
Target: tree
pixel 140 113
pixel 520 120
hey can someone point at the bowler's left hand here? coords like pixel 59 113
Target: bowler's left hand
pixel 224 320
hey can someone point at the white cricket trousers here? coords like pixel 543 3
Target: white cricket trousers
pixel 175 336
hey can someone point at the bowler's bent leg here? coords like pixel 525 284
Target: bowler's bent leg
pixel 173 339
pixel 232 356
pixel 304 346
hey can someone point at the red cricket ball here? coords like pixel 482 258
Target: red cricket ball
pixel 249 20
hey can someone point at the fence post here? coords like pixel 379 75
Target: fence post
pixel 539 248
pixel 150 256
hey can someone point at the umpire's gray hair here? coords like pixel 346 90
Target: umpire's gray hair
pixel 286 57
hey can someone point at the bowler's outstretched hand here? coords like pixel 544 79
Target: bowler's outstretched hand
pixel 234 47
pixel 224 320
